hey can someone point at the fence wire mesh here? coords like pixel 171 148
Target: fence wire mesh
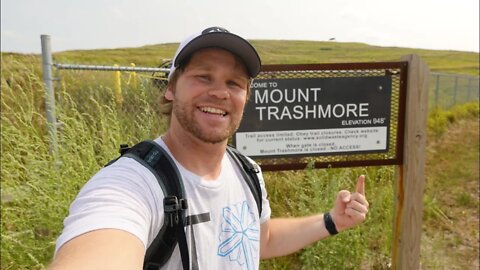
pixel 126 101
pixel 448 90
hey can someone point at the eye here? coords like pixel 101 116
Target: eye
pixel 203 77
pixel 234 84
pixel 238 83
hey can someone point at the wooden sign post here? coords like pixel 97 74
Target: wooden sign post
pixel 410 176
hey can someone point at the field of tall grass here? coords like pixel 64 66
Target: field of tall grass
pixel 36 189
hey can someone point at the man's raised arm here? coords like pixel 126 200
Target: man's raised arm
pixel 101 249
pixel 282 236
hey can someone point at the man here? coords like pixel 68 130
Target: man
pixel 118 213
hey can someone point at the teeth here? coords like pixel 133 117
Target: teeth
pixel 213 110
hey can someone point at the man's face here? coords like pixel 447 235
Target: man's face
pixel 209 96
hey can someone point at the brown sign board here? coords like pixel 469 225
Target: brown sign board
pixel 330 114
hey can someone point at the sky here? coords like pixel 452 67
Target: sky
pixel 96 24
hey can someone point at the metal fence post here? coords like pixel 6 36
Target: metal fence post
pixel 469 88
pixel 455 91
pixel 47 64
pixel 437 89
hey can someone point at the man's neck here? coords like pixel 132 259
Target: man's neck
pixel 201 158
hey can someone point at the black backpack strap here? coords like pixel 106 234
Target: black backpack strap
pixel 159 162
pixel 249 172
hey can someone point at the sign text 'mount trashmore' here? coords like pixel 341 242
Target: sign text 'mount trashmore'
pixel 316 116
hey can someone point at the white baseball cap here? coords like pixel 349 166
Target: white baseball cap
pixel 221 38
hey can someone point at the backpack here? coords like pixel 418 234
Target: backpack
pixel 158 161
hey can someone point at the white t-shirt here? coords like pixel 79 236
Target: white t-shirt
pixel 127 196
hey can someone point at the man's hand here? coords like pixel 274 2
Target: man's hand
pixel 350 208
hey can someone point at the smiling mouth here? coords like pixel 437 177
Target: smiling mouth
pixel 214 111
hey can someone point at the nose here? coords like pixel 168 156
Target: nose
pixel 220 91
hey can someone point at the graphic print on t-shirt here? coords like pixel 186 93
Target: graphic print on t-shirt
pixel 239 236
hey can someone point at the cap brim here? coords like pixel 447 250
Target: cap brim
pixel 227 41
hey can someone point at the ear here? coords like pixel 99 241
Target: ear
pixel 169 94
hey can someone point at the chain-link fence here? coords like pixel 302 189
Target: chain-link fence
pixel 448 90
pixel 127 101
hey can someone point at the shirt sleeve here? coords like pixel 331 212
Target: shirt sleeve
pixel 121 196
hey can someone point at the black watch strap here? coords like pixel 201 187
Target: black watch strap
pixel 327 218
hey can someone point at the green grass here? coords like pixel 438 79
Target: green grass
pixel 451 209
pixel 37 190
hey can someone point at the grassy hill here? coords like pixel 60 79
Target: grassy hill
pixel 37 190
pixel 286 52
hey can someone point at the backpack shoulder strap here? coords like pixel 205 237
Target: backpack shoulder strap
pixel 249 172
pixel 158 161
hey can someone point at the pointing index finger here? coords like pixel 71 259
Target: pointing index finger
pixel 361 185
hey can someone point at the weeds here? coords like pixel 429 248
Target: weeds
pixel 37 190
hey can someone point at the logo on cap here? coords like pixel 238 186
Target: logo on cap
pixel 214 29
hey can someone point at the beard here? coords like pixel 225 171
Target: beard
pixel 185 116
